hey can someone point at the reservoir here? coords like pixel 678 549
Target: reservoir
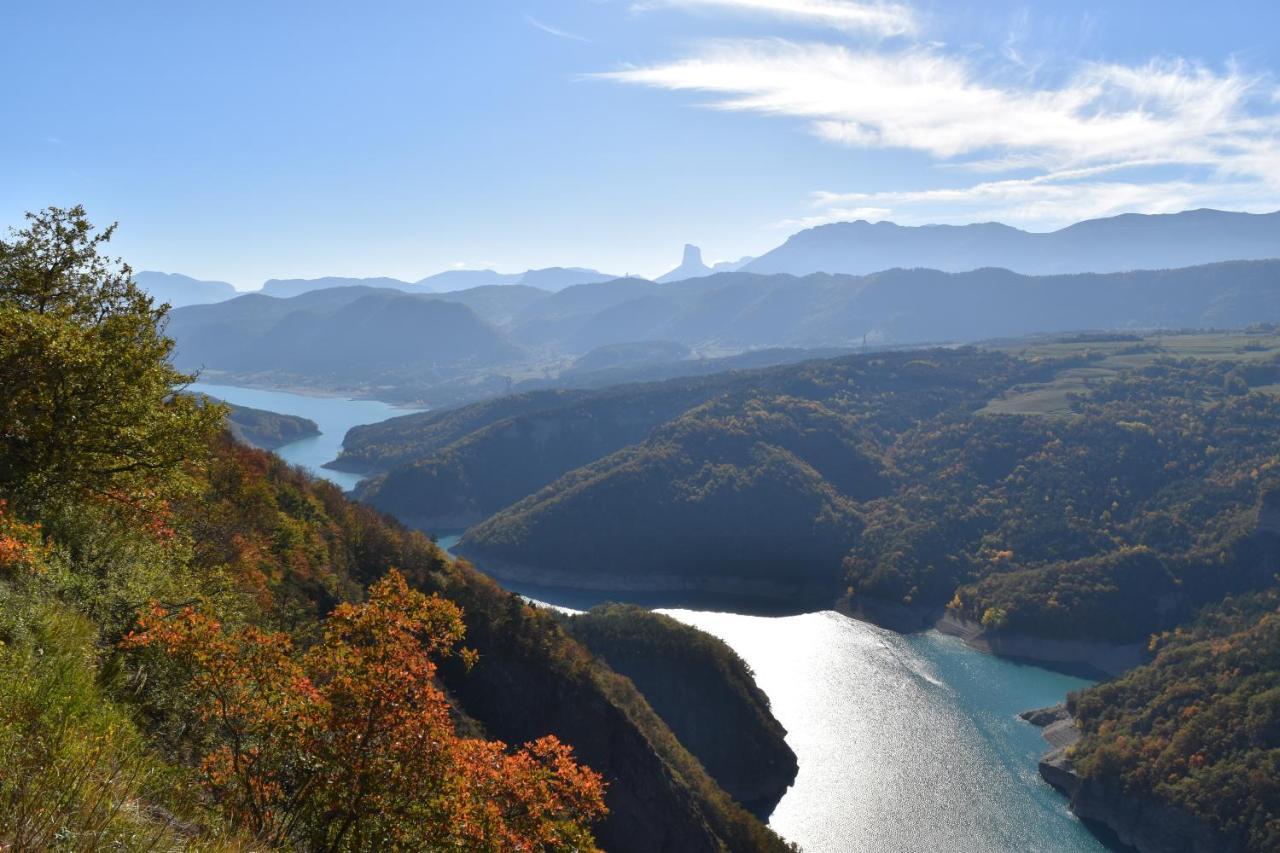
pixel 333 415
pixel 905 742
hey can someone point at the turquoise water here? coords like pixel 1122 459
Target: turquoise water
pixel 905 742
pixel 334 416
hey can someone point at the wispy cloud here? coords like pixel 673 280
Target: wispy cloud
pixel 927 101
pixel 1103 118
pixel 555 31
pixel 878 18
pixel 1042 202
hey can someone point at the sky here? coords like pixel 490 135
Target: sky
pixel 242 141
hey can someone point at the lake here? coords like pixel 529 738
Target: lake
pixel 905 742
pixel 333 415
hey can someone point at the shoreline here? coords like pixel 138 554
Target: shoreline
pixel 306 391
pixel 1090 658
pixel 1120 820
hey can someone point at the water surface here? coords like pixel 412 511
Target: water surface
pixel 905 743
pixel 333 415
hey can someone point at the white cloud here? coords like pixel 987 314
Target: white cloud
pixel 1044 202
pixel 925 100
pixel 878 18
pixel 1104 118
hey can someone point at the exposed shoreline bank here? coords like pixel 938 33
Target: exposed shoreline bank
pixel 1139 823
pixel 1094 658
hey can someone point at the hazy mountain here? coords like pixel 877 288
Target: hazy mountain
pixel 179 290
pixel 498 304
pixel 742 310
pixel 558 278
pixel 550 278
pixel 287 287
pixel 1119 243
pixel 449 280
pixel 348 335
pixel 732 266
pixel 630 355
pixel 691 266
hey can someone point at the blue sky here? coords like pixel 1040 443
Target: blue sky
pixel 248 140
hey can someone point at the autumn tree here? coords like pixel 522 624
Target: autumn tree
pixel 90 402
pixel 350 746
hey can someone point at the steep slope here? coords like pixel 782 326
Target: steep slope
pixel 703 691
pixel 179 290
pixel 308 547
pixel 538 438
pixel 1120 243
pixel 1184 754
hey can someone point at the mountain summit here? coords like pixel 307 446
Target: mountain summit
pixel 691 266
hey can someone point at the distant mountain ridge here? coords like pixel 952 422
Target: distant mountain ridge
pixel 741 311
pixel 287 287
pixel 179 290
pixel 350 336
pixel 1122 243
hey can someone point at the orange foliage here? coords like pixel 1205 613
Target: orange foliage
pixel 351 746
pixel 20 543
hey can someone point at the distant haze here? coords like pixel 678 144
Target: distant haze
pixel 1116 244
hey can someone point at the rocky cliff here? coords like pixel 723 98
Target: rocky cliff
pixel 703 691
pixel 1146 825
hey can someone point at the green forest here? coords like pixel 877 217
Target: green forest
pixel 943 482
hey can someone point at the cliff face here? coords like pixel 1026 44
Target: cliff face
pixel 1146 825
pixel 650 809
pixel 533 679
pixel 704 692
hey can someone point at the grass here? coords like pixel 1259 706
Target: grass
pixel 1053 398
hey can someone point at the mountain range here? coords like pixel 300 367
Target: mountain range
pixel 549 278
pixel 1130 241
pixel 1113 244
pixel 421 346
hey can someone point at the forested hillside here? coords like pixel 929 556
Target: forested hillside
pixel 873 479
pixel 1198 729
pixel 201 647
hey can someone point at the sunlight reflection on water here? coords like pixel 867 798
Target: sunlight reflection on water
pixel 906 743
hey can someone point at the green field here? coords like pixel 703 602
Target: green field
pixel 1111 357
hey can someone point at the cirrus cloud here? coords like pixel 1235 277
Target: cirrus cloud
pixel 1102 139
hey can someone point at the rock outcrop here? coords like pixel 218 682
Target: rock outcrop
pixel 1144 824
pixel 691 266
